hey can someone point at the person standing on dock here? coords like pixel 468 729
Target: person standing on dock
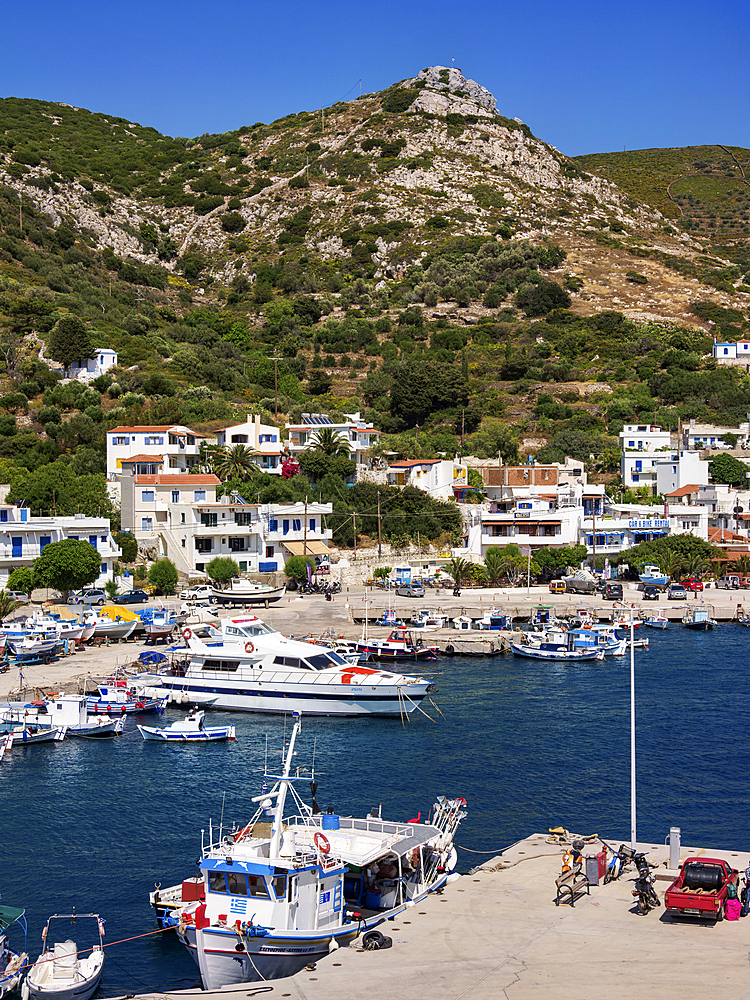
pixel 746 891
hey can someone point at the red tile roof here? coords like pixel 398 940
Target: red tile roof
pixel 201 479
pixel 143 458
pixel 685 490
pixel 411 462
pixel 717 535
pixel 146 428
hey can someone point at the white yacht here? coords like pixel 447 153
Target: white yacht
pixel 250 667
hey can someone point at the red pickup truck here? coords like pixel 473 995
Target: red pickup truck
pixel 701 888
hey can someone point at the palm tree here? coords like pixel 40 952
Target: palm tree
pixel 459 569
pixel 671 564
pixel 330 442
pixel 743 565
pixel 236 462
pixel 695 566
pixel 494 564
pixel 8 604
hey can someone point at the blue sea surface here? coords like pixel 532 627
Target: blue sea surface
pixel 95 824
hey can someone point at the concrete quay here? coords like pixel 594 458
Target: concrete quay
pixel 496 934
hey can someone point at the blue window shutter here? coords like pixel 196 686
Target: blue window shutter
pixel 92 540
pixel 285 525
pixel 104 567
pixel 312 524
pixel 44 540
pixel 17 546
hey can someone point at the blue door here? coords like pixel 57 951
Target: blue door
pixel 17 547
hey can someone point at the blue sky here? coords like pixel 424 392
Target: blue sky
pixel 595 77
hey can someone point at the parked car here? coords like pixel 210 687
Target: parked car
pixel 728 583
pixel 557 587
pixel 133 597
pixel 18 595
pixel 413 590
pixel 650 593
pixel 88 597
pixel 612 592
pixel 676 592
pixel 200 593
pixel 693 584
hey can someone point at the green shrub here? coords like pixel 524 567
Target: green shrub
pixel 233 222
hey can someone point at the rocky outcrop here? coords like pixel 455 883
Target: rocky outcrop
pixel 454 89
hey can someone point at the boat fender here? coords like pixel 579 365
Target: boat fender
pixel 187 634
pixel 450 650
pixel 322 843
pixel 249 647
pixel 140 706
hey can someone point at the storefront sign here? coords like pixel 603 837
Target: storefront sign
pixel 651 525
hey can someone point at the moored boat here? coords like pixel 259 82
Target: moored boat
pixel 554 644
pixel 656 621
pixel 12 963
pixel 61 971
pixel 699 619
pixel 191 729
pixel 253 668
pixel 287 888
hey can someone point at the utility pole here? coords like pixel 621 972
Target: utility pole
pixel 380 546
pixel 463 413
pixel 354 519
pixel 593 537
pixel 304 544
pixel 276 360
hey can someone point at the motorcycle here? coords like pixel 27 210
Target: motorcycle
pixel 618 863
pixel 644 885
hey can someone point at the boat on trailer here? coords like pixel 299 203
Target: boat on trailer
pixel 248 594
pixel 288 887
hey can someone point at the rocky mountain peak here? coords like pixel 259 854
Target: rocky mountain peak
pixel 447 91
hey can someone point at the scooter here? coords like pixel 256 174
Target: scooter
pixel 644 885
pixel 618 862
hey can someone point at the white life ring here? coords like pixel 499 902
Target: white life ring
pixel 249 647
pixel 186 634
pixel 321 842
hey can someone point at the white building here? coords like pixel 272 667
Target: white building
pixel 358 434
pixel 179 516
pixel 626 525
pixel 86 369
pixel 23 538
pixel 700 437
pixel 443 479
pixel 640 444
pixel 156 450
pixel 677 469
pixel 265 439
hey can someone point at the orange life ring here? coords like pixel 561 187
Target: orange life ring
pixel 249 647
pixel 321 842
pixel 186 634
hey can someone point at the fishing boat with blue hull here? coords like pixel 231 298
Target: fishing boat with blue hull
pixel 111 699
pixel 699 619
pixel 288 888
pixel 191 729
pixel 652 576
pixel 13 964
pixel 254 668
pixel 554 644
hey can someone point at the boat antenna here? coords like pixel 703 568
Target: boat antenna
pixel 221 822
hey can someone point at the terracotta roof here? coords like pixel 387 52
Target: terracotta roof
pixel 685 490
pixel 143 458
pixel 411 462
pixel 201 479
pixel 725 535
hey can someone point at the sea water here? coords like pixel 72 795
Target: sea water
pixel 95 824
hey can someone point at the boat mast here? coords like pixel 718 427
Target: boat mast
pixel 278 813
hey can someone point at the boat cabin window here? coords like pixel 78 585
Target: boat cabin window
pixel 279 884
pixel 226 666
pixel 322 661
pixel 238 884
pixel 216 882
pixel 337 659
pixel 289 661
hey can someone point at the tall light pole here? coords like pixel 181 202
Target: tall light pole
pixel 632 731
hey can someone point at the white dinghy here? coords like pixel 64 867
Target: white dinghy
pixel 60 971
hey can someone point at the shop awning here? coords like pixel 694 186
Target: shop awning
pixel 314 548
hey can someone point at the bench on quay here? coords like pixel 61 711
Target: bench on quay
pixel 570 885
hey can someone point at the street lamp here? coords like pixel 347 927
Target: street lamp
pixel 632 728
